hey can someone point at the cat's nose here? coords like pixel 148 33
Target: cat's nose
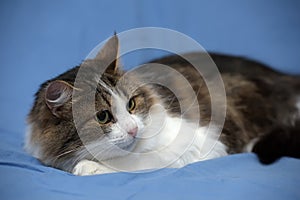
pixel 133 131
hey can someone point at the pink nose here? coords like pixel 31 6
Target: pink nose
pixel 133 131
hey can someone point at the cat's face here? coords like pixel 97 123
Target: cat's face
pixel 121 115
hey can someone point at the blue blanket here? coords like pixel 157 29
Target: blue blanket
pixel 41 39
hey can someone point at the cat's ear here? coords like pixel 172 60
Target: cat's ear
pixel 110 53
pixel 57 94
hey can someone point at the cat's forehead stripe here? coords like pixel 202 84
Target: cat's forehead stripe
pixel 106 87
pixel 104 97
pixel 106 92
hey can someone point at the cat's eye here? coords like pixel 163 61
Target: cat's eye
pixel 131 105
pixel 103 117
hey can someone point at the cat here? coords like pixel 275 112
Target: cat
pixel 132 126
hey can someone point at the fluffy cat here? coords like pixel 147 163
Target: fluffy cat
pixel 139 126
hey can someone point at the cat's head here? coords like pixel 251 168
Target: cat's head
pixel 109 123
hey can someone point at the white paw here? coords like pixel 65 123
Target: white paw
pixel 87 167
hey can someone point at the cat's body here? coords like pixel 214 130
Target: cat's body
pixel 259 99
pixel 121 135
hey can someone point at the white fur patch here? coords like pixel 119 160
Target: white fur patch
pixel 33 149
pixel 296 116
pixel 298 105
pixel 248 148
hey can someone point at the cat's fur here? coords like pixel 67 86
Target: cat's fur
pixel 262 105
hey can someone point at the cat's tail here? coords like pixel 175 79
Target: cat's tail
pixel 281 141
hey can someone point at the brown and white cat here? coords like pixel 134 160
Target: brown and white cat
pixel 135 125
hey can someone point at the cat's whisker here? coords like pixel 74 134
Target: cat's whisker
pixel 122 137
pixel 65 153
pixel 97 155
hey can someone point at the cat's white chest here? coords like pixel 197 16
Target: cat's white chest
pixel 176 144
pixel 193 143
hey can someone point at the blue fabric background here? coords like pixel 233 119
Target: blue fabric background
pixel 41 39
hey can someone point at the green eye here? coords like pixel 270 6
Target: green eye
pixel 131 105
pixel 103 117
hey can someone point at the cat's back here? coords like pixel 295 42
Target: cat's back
pixel 224 63
pixel 234 67
pixel 254 93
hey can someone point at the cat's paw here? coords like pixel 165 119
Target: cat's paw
pixel 272 146
pixel 87 167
